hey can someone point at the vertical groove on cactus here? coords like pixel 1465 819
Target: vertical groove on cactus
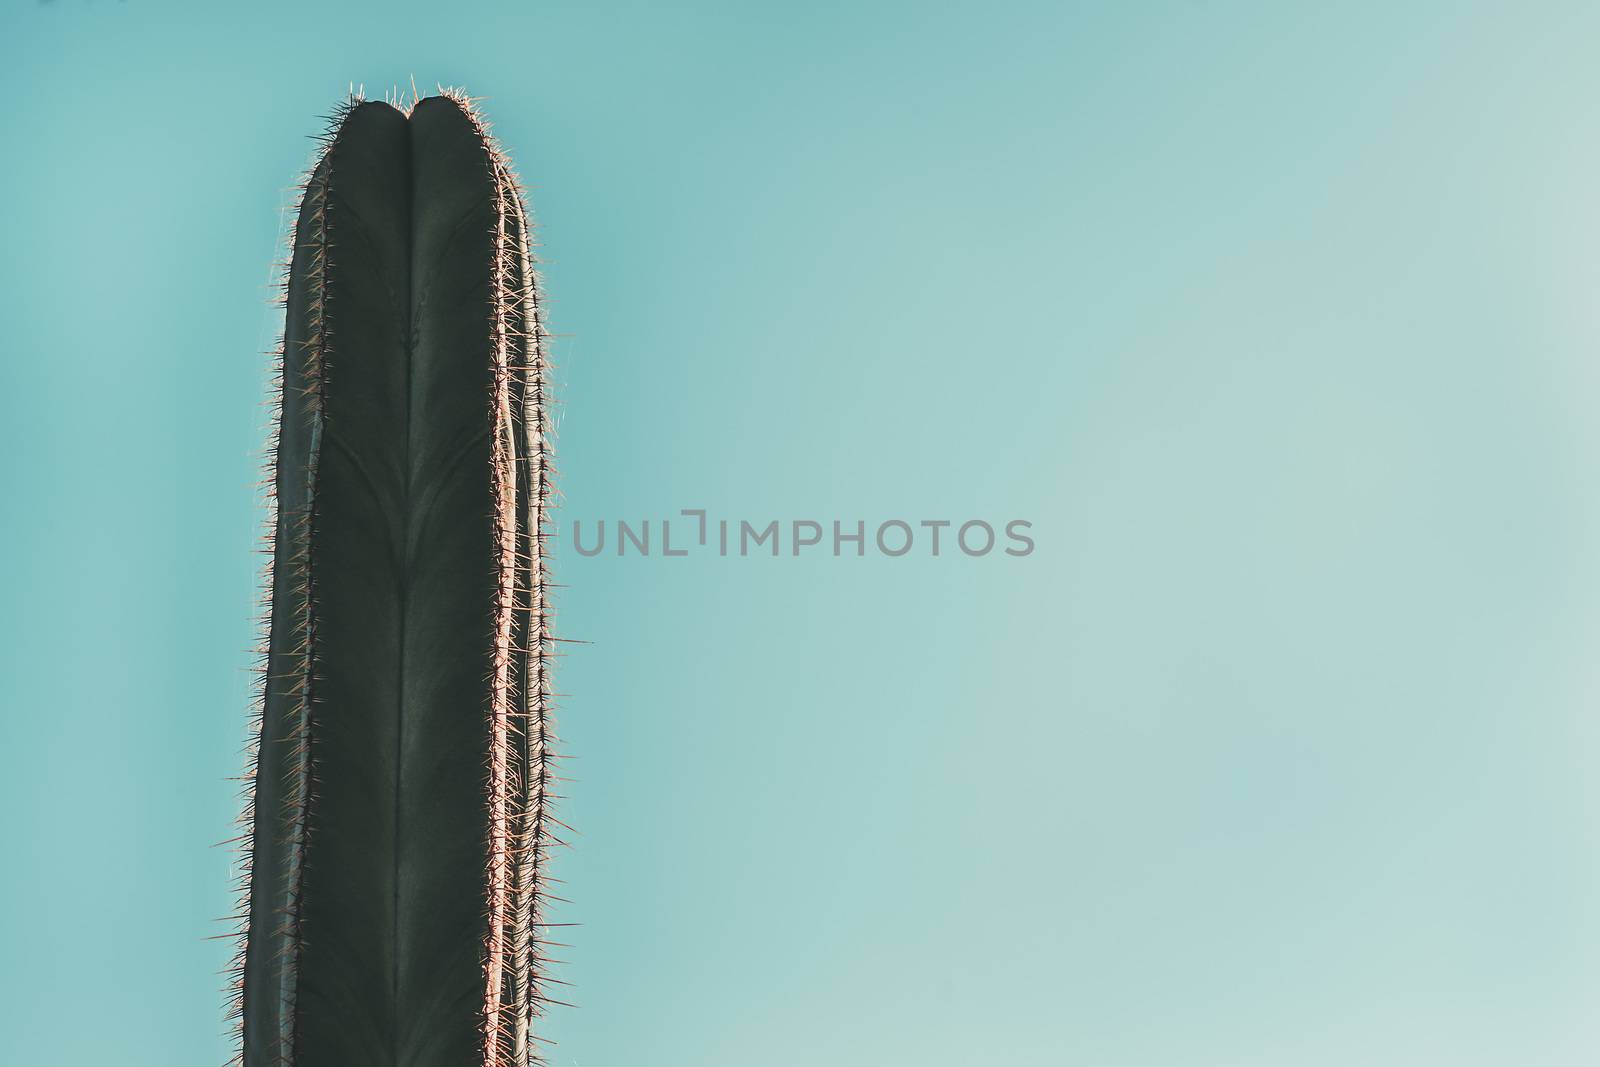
pixel 398 823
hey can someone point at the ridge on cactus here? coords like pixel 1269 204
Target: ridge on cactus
pixel 398 824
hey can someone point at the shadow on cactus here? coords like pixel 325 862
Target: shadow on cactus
pixel 399 824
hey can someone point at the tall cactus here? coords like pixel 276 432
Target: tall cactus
pixel 399 825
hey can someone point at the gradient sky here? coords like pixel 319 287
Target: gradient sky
pixel 1278 321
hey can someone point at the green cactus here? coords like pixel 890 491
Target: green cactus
pixel 399 822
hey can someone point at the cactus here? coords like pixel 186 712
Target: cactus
pixel 399 823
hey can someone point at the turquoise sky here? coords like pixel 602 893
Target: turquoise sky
pixel 1277 320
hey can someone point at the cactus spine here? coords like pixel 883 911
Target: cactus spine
pixel 398 824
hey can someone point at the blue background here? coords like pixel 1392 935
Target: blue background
pixel 1278 321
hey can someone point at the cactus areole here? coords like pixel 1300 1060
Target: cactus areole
pixel 398 828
